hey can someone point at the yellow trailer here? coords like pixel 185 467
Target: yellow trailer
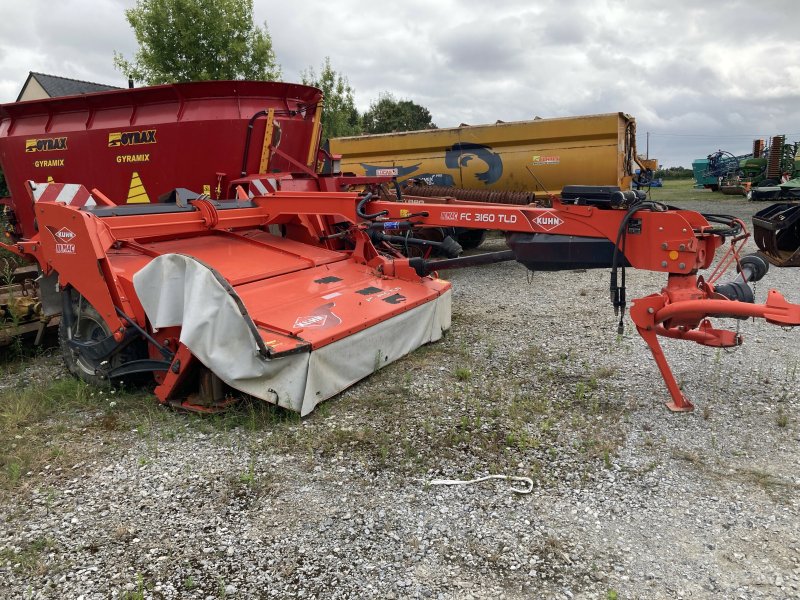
pixel 542 155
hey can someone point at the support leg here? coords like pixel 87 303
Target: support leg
pixel 679 402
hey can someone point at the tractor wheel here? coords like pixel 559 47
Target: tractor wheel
pixel 471 239
pixel 89 326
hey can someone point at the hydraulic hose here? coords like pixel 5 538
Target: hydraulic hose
pixel 261 113
pixel 397 190
pixel 360 209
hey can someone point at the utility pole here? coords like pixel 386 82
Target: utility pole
pixel 647 152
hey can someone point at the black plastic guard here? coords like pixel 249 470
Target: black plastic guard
pixel 547 252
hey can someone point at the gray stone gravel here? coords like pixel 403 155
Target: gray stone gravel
pixel 629 498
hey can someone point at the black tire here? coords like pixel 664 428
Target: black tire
pixel 90 326
pixel 767 183
pixel 471 239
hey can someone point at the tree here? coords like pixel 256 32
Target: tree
pixel 389 114
pixel 3 186
pixel 190 40
pixel 339 115
pixel 674 173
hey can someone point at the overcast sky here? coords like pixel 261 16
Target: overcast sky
pixel 698 76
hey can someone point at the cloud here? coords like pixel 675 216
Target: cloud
pixel 696 75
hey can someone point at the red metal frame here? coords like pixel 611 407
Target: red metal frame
pixel 676 242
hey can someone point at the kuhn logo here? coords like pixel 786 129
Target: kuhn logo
pixel 64 241
pixel 131 138
pixel 449 216
pixel 310 321
pixel 65 235
pixel 548 221
pixel 386 172
pixel 45 144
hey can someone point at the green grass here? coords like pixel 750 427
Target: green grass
pixel 463 374
pixel 782 419
pixel 29 559
pixel 45 424
pixel 8 262
pixel 677 190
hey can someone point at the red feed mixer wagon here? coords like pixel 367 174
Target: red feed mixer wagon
pixel 183 231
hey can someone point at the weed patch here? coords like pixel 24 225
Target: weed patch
pixel 28 559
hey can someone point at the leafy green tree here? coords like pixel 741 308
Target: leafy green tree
pixel 674 173
pixel 389 114
pixel 339 114
pixel 190 40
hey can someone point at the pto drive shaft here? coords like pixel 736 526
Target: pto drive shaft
pixel 751 268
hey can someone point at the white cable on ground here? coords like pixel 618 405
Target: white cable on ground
pixel 527 480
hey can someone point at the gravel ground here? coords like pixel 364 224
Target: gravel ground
pixel 629 500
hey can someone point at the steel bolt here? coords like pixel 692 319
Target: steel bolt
pixel 664 246
pixel 651 310
pixel 682 247
pixel 682 266
pixel 663 263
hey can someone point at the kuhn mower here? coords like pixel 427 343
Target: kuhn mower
pixel 244 269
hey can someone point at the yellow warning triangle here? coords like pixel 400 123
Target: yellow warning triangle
pixel 137 193
pixel 50 179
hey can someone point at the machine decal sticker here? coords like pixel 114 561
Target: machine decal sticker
pixel 368 291
pixel 436 179
pixel 399 172
pixel 449 216
pixel 395 299
pixel 548 221
pixel 392 292
pixel 45 144
pixel 131 138
pixel 136 192
pixel 545 160
pixel 64 241
pixel 329 279
pixel 133 158
pixel 321 317
pixel 460 155
pixel 56 162
pixel 65 235
pixel 310 321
